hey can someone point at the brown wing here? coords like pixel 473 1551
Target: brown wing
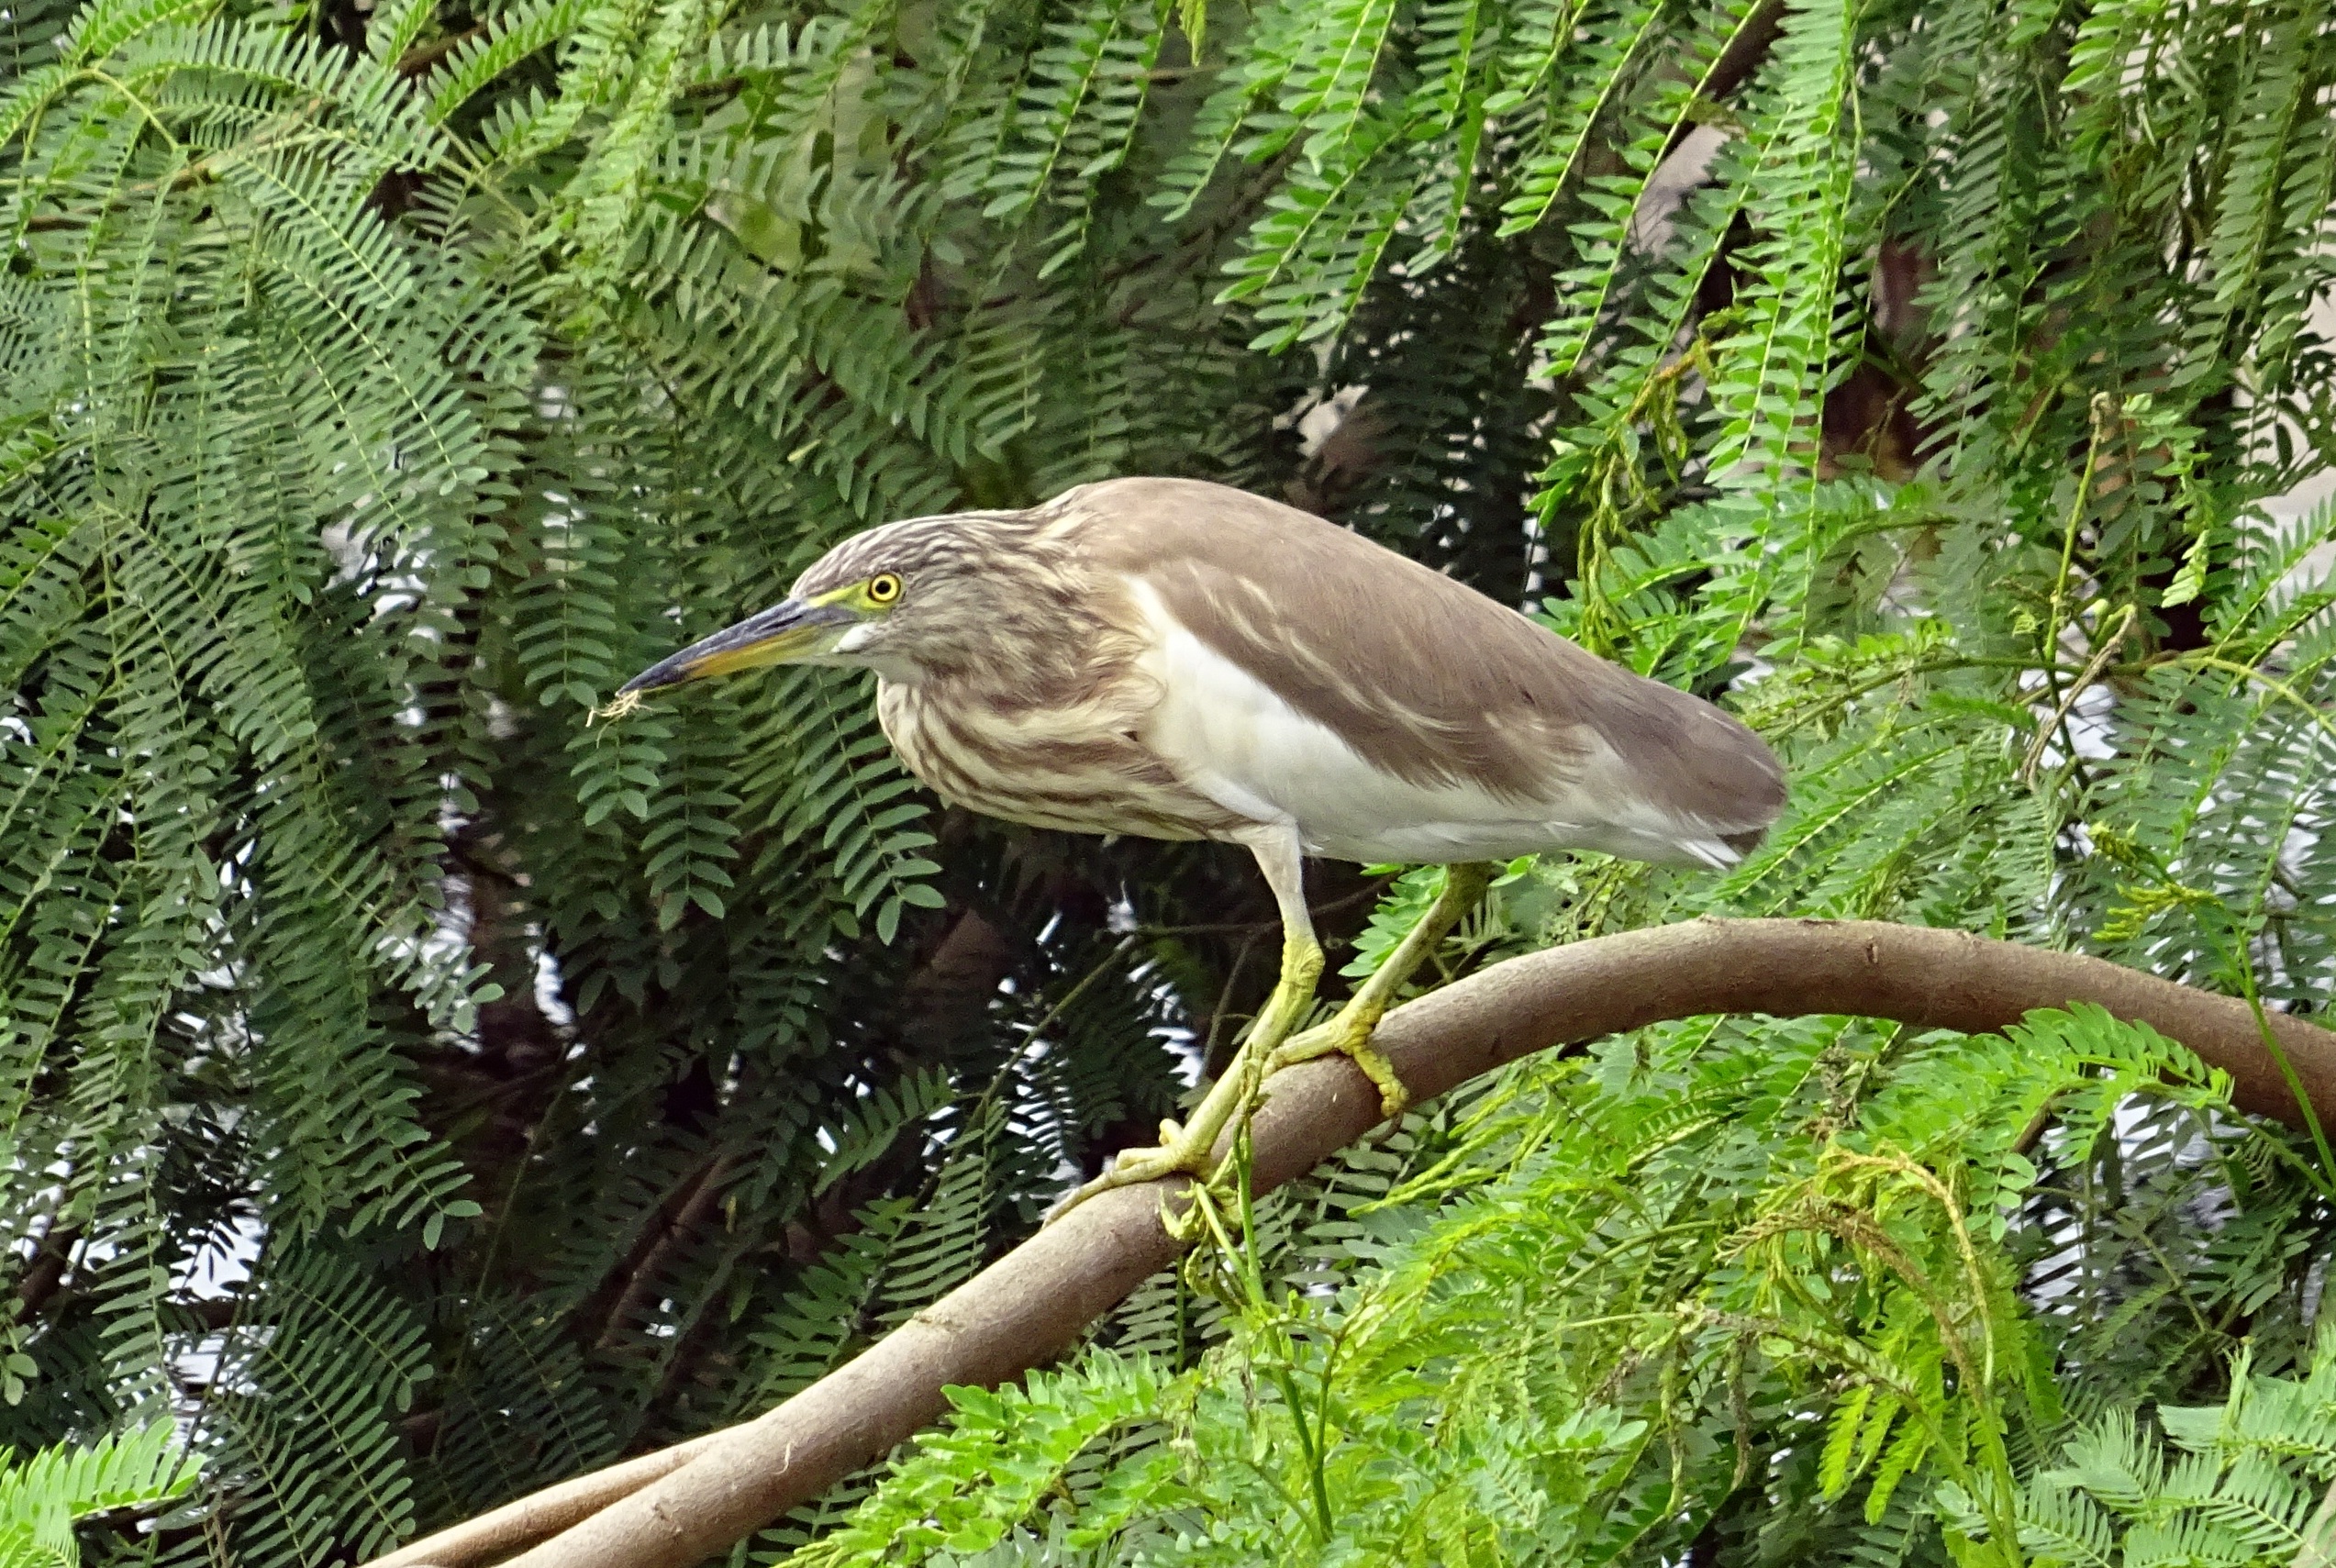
pixel 1423 676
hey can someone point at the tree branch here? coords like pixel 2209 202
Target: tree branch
pixel 675 1510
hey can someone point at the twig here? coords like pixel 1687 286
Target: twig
pixel 2076 689
pixel 420 58
pixel 689 1206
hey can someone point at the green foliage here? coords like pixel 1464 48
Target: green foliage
pixel 2243 1485
pixel 1638 1307
pixel 422 1092
pixel 41 1498
pixel 1003 1453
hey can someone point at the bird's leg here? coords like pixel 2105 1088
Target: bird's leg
pixel 1189 1147
pixel 1349 1032
pixel 1236 1085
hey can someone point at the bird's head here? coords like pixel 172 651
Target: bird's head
pixel 903 599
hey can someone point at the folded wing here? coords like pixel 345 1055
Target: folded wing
pixel 1394 713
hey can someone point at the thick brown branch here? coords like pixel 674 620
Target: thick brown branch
pixel 1035 1302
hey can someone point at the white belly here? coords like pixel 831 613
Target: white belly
pixel 1234 740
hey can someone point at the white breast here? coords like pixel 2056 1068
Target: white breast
pixel 1234 740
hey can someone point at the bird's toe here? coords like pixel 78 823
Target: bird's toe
pixel 1350 1038
pixel 1175 1156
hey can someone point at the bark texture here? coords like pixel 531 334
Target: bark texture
pixel 675 1510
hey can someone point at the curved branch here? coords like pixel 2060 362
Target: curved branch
pixel 675 1510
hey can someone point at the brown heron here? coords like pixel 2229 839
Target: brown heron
pixel 1178 659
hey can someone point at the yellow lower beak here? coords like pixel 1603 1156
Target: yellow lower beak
pixel 788 631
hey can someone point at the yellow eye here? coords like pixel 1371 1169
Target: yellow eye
pixel 882 588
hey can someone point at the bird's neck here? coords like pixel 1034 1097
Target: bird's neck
pixel 1008 671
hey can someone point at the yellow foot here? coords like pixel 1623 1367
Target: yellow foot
pixel 1350 1038
pixel 1185 1149
pixel 1179 1153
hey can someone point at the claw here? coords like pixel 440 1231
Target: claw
pixel 1186 1148
pixel 1350 1038
pixel 1131 1167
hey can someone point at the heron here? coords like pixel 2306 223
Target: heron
pixel 1175 659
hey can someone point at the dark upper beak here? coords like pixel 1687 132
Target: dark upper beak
pixel 788 630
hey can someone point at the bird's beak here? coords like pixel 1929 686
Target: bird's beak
pixel 789 631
